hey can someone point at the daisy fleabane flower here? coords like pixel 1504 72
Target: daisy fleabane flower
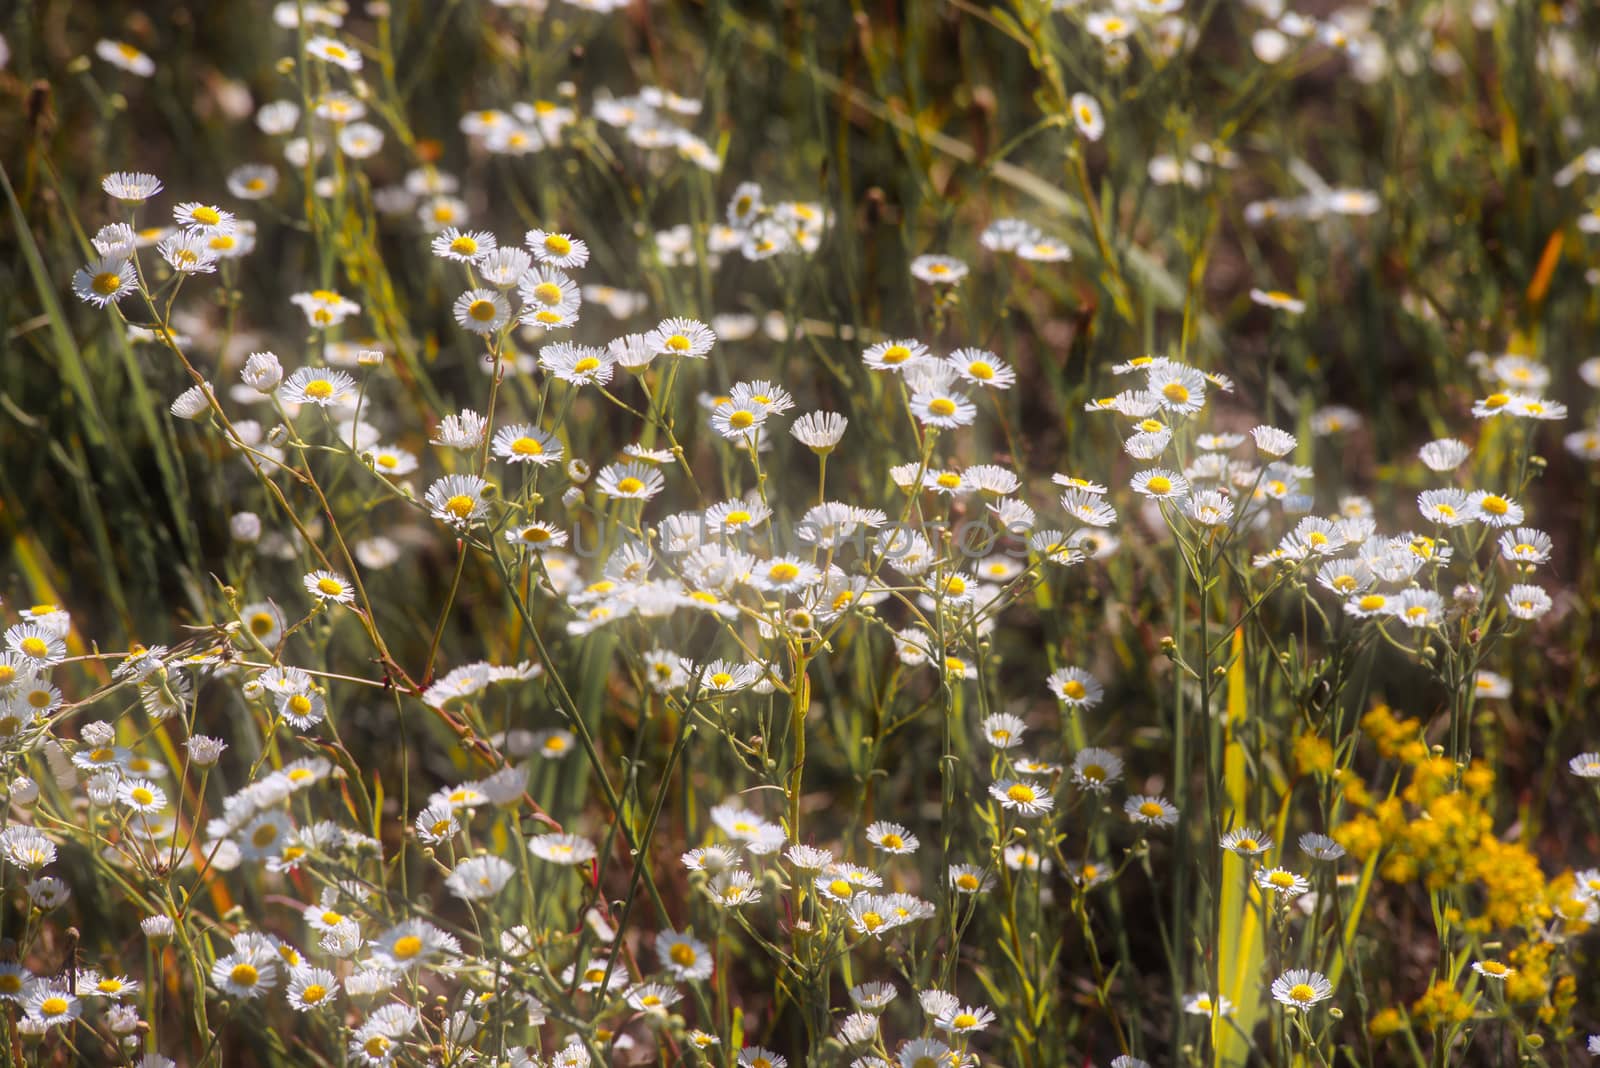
pixel 1246 842
pixel 558 250
pixel 459 500
pixel 629 481
pixel 105 280
pixel 894 355
pixel 938 270
pixel 482 311
pixel 124 56
pixel 1282 882
pixel 1087 116
pixel 547 291
pixel 1022 796
pixel 943 408
pixel 1299 988
pixel 1075 687
pixel 1150 811
pixel 327 586
pixel 188 252
pixel 982 368
pixel 524 443
pixel 130 186
pixel 330 50
pixel 1444 454
pixel 1271 441
pixel 204 218
pixel 681 337
pixel 463 246
pixel 321 386
pixel 464 430
pixel 819 431
pixel 892 837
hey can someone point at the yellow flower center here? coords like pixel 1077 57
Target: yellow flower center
pixel 319 389
pixel 1281 880
pixel 330 586
pixel 300 704
pixel 871 920
pixel 1150 810
pixel 629 485
pixel 741 419
pixel 1249 845
pixel 737 517
pixel 955 585
pixel 53 1007
pixel 585 365
pixel 39 698
pixel 1159 484
pixel 557 244
pixel 841 888
pixel 376 1046
pixel 527 447
pixel 207 215
pixel 1494 967
pixel 460 505
pixel 142 796
pixel 1495 505
pixel 783 571
pixel 464 246
pixel 1021 793
pixel 35 647
pixel 892 841
pixel 1074 689
pixel 481 311
pixel 313 993
pixel 244 975
pixel 1496 400
pixel 720 678
pixel 262 623
pixel 948 480
pixel 535 534
pixel 264 835
pixel 682 954
pixel 1302 992
pixel 1344 583
pixel 942 406
pixel 407 947
pixel 1176 392
pixel 1372 602
pixel 678 343
pixel 106 283
pixel 1094 772
pixel 547 293
pixel 895 354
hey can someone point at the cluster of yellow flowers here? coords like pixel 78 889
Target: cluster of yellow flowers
pixel 1430 823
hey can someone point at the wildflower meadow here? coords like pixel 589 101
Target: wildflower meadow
pixel 862 533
